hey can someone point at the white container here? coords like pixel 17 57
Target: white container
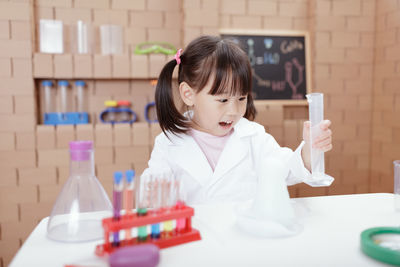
pixel 51 36
pixel 111 39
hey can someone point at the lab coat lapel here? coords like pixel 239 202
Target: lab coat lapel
pixel 188 155
pixel 234 151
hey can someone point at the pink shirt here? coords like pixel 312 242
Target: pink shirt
pixel 211 145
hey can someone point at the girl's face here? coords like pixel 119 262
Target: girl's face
pixel 217 114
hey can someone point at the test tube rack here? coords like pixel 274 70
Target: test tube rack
pixel 128 221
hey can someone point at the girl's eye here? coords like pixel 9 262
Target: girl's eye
pixel 242 98
pixel 223 100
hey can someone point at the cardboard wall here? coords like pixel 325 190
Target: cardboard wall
pixel 355 63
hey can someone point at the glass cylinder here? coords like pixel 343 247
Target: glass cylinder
pixel 48 98
pixel 65 96
pixel 396 164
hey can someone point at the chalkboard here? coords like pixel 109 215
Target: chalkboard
pixel 279 62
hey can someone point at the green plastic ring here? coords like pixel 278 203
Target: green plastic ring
pixel 372 249
pixel 155 47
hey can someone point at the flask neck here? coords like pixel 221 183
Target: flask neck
pixel 82 167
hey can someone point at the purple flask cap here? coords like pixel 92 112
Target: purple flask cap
pixel 80 150
pixel 147 255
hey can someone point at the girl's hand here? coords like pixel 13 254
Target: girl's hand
pixel 322 142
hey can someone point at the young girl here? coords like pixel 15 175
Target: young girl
pixel 212 146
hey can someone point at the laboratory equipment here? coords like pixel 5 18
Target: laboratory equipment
pixel 396 194
pixel 128 196
pixel 48 97
pixel 149 115
pixel 382 244
pixel 81 96
pixel 135 256
pixel 51 36
pixel 316 116
pixel 83 36
pixel 126 221
pixel 155 48
pixel 111 39
pixel 155 202
pixel 124 111
pixel 82 203
pixel 65 96
pixel 271 213
pixel 115 114
pixel 117 202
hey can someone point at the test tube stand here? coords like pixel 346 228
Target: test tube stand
pixel 128 221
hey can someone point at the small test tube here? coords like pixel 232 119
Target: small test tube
pixel 117 201
pixel 168 226
pixel 180 203
pixel 80 96
pixel 155 200
pixel 65 96
pixel 316 116
pixel 143 204
pixel 128 197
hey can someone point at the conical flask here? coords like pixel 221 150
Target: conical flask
pixel 82 203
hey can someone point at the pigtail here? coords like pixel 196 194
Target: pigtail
pixel 170 119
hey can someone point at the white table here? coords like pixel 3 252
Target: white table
pixel 331 237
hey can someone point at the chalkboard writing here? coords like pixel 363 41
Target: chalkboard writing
pixel 278 63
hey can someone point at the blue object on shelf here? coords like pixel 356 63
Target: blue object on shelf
pixel 57 118
pixel 103 114
pixel 63 83
pixel 47 83
pixel 80 83
pixel 146 112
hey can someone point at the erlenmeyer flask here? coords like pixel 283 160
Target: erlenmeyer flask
pixel 82 203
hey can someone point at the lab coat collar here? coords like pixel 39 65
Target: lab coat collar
pixel 187 154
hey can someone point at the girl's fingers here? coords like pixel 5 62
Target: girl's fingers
pixel 326 148
pixel 323 143
pixel 325 124
pixel 325 134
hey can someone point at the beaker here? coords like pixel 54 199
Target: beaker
pixel 82 203
pixel 396 164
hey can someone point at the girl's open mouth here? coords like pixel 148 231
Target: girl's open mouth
pixel 225 124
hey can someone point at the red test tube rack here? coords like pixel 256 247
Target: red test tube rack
pixel 128 221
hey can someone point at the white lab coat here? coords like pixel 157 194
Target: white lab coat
pixel 235 175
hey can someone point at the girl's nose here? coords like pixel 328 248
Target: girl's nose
pixel 233 108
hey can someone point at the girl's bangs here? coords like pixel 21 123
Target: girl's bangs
pixel 232 77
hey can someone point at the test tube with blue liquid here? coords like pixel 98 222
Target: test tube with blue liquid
pixel 117 201
pixel 128 197
pixel 316 116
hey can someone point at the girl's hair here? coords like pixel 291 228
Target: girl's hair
pixel 205 57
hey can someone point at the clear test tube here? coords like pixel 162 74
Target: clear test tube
pixel 166 200
pixel 65 96
pixel 81 96
pixel 155 203
pixel 48 97
pixel 128 197
pixel 117 202
pixel 316 116
pixel 143 204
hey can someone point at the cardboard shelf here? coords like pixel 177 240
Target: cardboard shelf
pixel 94 66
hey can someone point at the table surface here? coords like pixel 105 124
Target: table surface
pixel 331 237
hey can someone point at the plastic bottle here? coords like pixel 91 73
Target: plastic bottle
pixel 82 203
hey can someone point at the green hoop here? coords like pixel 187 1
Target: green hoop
pixel 372 249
